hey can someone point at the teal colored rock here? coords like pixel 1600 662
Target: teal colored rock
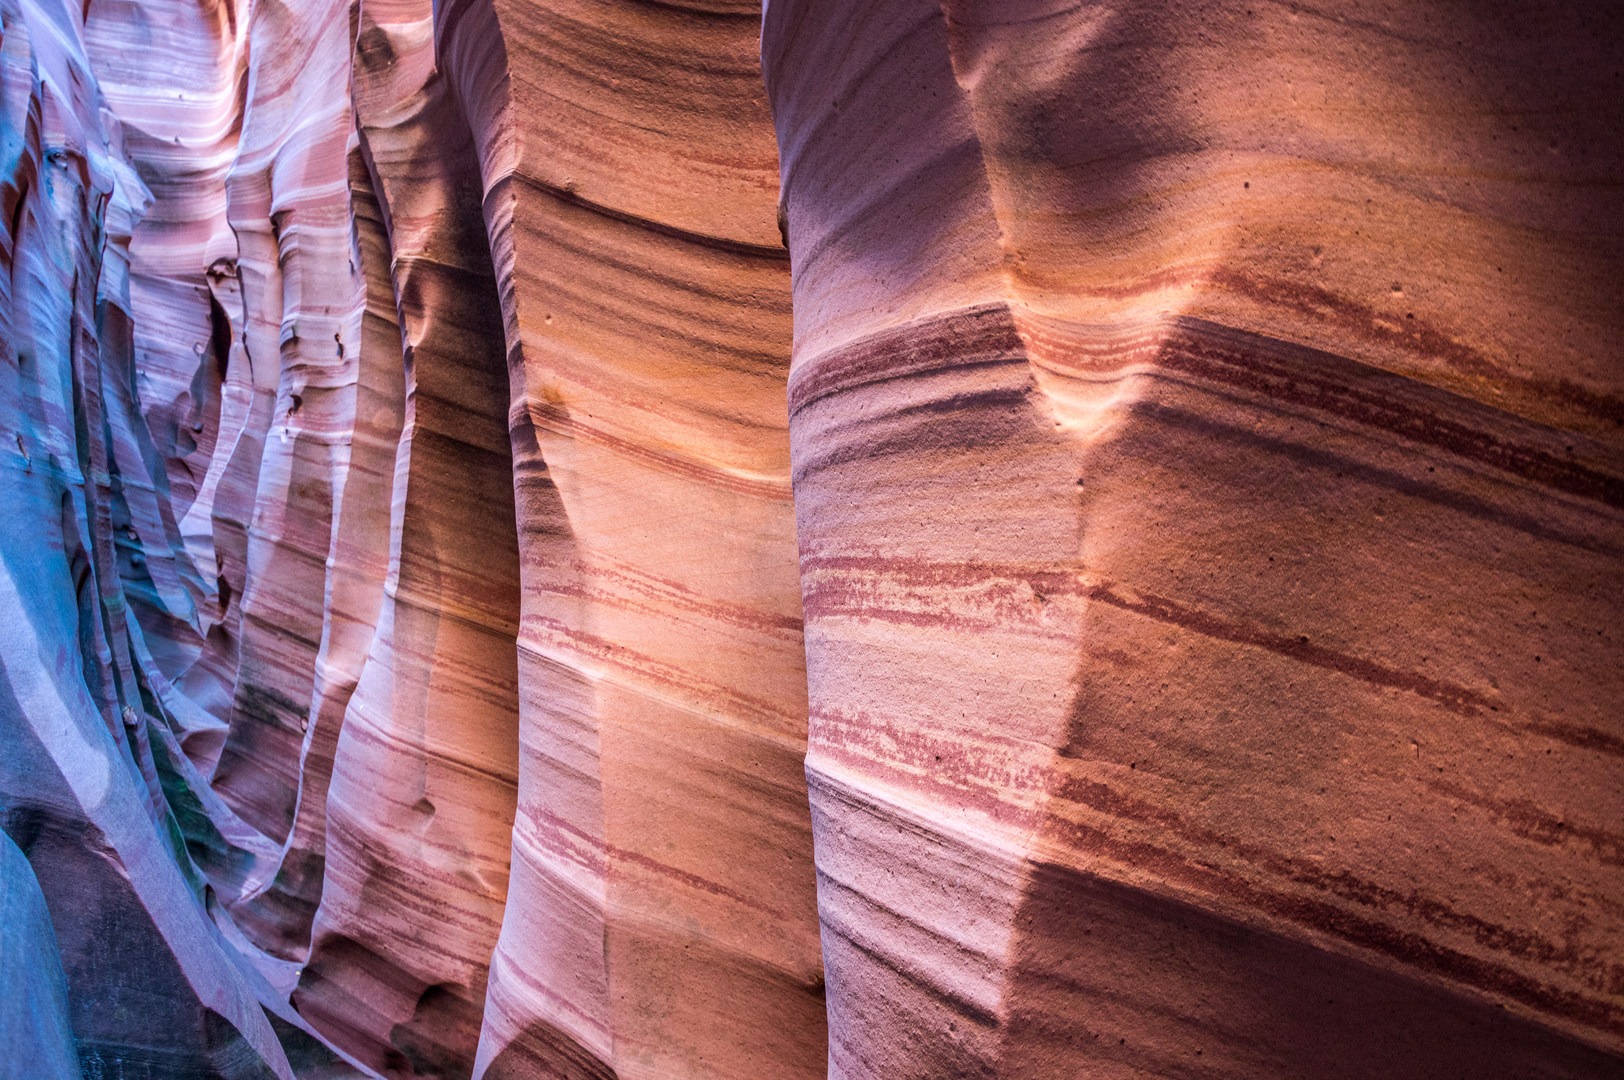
pixel 34 1029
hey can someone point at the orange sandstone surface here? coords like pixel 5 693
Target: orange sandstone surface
pixel 706 540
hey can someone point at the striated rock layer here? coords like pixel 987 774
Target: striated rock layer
pixel 1209 503
pixel 591 538
pixel 662 847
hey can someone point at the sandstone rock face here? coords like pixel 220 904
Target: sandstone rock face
pixel 1198 555
pixel 98 792
pixel 580 538
pixel 662 846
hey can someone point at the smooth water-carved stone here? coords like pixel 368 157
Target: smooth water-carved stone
pixel 589 539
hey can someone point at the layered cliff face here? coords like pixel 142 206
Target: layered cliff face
pixel 1209 518
pixel 571 538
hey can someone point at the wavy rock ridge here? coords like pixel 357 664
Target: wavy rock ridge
pixel 589 538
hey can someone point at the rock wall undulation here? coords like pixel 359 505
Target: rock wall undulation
pixel 1209 507
pixel 591 538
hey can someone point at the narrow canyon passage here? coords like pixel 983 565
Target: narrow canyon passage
pixel 420 810
pixel 718 540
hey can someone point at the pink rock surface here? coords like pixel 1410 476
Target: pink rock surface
pixel 1207 589
pixel 420 811
pixel 302 298
pixel 662 850
pixel 575 538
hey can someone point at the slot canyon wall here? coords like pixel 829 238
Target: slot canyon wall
pixel 891 541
